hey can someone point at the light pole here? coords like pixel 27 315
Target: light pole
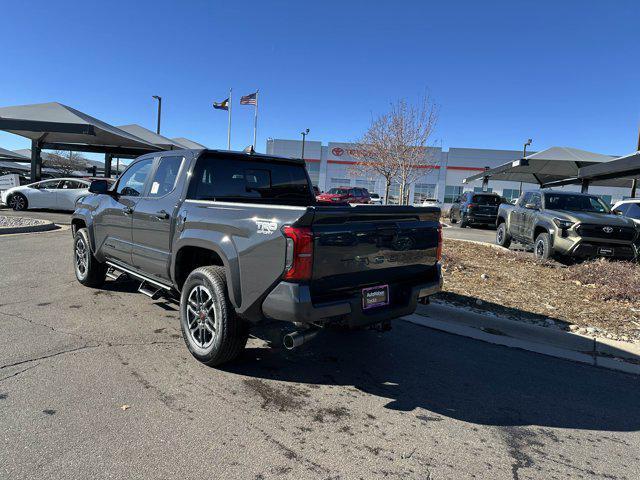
pixel 304 136
pixel 524 154
pixel 159 111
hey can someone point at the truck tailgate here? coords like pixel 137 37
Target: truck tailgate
pixel 367 246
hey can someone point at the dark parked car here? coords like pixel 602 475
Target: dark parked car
pixel 239 238
pixel 566 224
pixel 346 195
pixel 475 209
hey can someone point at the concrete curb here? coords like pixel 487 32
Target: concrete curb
pixel 43 227
pixel 600 352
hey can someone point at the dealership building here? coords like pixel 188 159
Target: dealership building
pixel 329 167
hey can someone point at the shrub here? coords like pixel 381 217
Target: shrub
pixel 611 280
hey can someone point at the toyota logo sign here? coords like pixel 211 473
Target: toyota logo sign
pixel 337 151
pixel 607 229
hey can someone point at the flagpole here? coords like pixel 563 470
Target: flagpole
pixel 229 127
pixel 255 122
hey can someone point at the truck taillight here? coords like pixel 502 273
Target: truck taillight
pixel 439 249
pixel 299 254
pixel 471 206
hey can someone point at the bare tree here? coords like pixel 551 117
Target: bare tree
pixel 65 163
pixel 395 145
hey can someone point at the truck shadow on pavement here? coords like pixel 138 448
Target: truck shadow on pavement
pixel 456 377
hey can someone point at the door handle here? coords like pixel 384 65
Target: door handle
pixel 162 215
pixel 127 210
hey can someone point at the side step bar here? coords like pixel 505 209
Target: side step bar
pixel 154 293
pixel 144 279
pixel 113 274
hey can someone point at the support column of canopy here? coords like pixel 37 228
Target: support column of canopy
pixel 36 161
pixel 585 185
pixel 108 157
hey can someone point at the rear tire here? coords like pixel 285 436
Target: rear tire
pixel 463 221
pixel 89 271
pixel 451 219
pixel 502 236
pixel 18 202
pixel 542 249
pixel 214 334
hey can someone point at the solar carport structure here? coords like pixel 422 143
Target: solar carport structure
pixel 621 172
pixel 58 127
pixel 541 168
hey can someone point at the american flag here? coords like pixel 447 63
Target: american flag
pixel 251 99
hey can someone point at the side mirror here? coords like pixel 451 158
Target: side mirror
pixel 531 206
pixel 616 212
pixel 99 187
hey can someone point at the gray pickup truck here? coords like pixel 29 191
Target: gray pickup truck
pixel 569 224
pixel 240 238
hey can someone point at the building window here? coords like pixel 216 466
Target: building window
pixel 451 192
pixel 424 191
pixel 479 190
pixel 340 182
pixel 314 171
pixel 510 194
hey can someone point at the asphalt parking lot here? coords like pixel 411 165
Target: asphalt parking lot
pixel 99 384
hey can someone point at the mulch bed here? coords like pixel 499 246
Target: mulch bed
pixel 599 297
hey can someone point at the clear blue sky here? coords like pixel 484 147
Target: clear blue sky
pixel 560 72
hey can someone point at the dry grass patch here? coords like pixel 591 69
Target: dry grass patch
pixel 598 294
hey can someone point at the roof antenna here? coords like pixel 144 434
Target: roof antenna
pixel 249 150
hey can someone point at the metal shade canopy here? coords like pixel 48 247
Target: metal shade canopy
pixel 57 126
pixel 188 143
pixel 9 155
pixel 152 137
pixel 550 165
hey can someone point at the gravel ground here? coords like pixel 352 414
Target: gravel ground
pixel 20 222
pixel 547 294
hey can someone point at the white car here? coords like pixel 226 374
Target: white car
pixel 55 194
pixel 628 208
pixel 432 202
pixel 375 198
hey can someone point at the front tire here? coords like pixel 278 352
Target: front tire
pixel 542 249
pixel 18 202
pixel 89 271
pixel 214 334
pixel 464 223
pixel 451 218
pixel 502 236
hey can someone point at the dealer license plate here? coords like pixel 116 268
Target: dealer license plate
pixel 375 296
pixel 605 251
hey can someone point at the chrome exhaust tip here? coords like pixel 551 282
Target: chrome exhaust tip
pixel 295 339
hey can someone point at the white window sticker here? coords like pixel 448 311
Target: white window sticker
pixel 154 188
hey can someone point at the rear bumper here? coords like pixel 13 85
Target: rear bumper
pixel 479 218
pixel 291 302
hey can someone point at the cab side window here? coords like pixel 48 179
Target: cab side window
pixel 132 182
pixel 536 200
pixel 633 211
pixel 526 198
pixel 164 179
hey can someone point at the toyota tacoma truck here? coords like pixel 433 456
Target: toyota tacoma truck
pixel 567 224
pixel 239 238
